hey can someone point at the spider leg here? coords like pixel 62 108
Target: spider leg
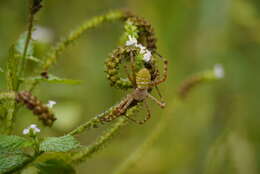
pixel 145 119
pixel 128 75
pixel 148 112
pixel 165 71
pixel 118 110
pixel 132 59
pixel 161 104
pixel 158 91
pixel 125 104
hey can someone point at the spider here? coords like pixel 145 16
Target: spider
pixel 142 84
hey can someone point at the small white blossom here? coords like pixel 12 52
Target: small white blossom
pixel 219 71
pixel 51 103
pixel 26 131
pixel 42 34
pixel 142 48
pixel 31 129
pixel 33 126
pixel 147 55
pixel 131 41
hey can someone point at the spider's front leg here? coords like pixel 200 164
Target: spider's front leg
pixel 133 77
pixel 132 59
pixel 129 76
pixel 160 103
pixel 165 74
pixel 123 106
pixel 118 110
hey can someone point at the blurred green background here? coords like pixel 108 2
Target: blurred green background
pixel 215 130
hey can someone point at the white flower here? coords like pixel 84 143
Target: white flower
pixel 26 131
pixel 35 128
pixel 147 55
pixel 131 41
pixel 51 103
pixel 42 34
pixel 219 71
pixel 142 48
pixel 31 129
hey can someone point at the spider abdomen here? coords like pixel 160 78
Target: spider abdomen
pixel 143 78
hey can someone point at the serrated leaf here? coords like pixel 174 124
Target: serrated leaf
pixel 59 144
pixel 56 80
pixel 12 160
pixel 20 44
pixel 12 143
pixel 54 166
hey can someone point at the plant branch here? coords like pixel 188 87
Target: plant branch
pixel 34 7
pixel 52 56
pixel 99 143
pixel 77 33
pixel 149 141
pixel 7 95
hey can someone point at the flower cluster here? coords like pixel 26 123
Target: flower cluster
pixel 32 130
pixel 147 55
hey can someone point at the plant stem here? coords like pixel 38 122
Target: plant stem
pixel 99 144
pixel 28 38
pixel 102 140
pixel 7 95
pixel 77 33
pixel 52 56
pixel 10 106
pixel 34 7
pixel 149 141
pixel 89 124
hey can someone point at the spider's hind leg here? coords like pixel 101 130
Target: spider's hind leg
pixel 145 119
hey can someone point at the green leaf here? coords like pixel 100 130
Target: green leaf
pixel 20 44
pixel 54 166
pixel 12 160
pixel 56 80
pixel 12 143
pixel 59 144
pixel 1 70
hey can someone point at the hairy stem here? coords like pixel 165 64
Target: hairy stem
pixel 99 143
pixel 29 34
pixel 77 33
pixel 149 141
pixel 34 7
pixel 89 124
pixel 7 95
pixel 52 56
